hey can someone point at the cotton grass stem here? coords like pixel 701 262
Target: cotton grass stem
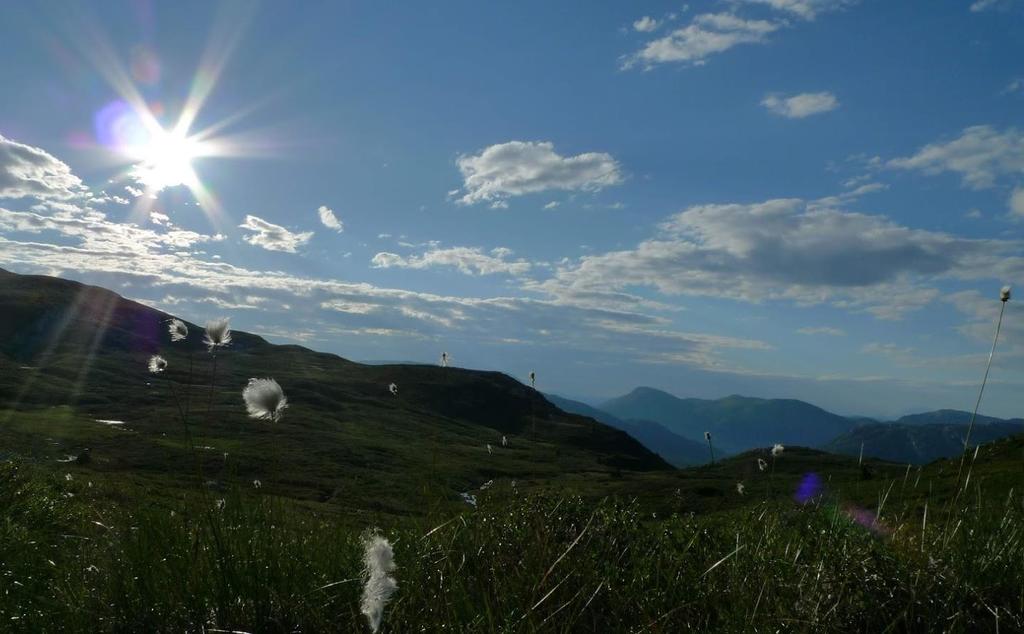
pixel 1004 297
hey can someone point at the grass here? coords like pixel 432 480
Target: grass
pixel 581 530
pixel 518 563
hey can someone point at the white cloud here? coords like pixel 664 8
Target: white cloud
pixel 98 234
pixel 329 220
pixel 823 330
pixel 517 167
pixel 27 171
pixel 273 237
pixel 706 35
pixel 552 205
pixel 980 155
pixel 1017 202
pixel 984 5
pixel 847 197
pixel 801 105
pixel 806 9
pixel 789 250
pixel 468 260
pixel 892 351
pixel 646 24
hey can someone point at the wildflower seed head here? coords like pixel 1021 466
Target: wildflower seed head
pixel 378 563
pixel 178 330
pixel 157 364
pixel 218 334
pixel 762 464
pixel 740 488
pixel 264 399
pixel 444 359
pixel 533 379
pixel 777 449
pixel 393 389
pixel 1004 294
pixel 707 436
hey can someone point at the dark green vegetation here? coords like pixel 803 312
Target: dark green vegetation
pixel 72 355
pixel 258 528
pixel 929 561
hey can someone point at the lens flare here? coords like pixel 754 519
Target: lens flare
pixel 809 488
pixel 166 160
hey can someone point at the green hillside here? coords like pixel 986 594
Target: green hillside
pixel 73 355
pixel 113 520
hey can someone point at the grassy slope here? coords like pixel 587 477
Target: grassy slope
pixel 526 563
pixel 583 542
pixel 73 354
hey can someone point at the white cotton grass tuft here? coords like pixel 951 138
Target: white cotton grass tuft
pixel 504 441
pixel 707 435
pixel 264 399
pixel 740 488
pixel 777 450
pixel 178 330
pixel 157 364
pixel 762 464
pixel 393 388
pixel 218 333
pixel 1004 294
pixel 490 450
pixel 533 379
pixel 444 359
pixel 378 563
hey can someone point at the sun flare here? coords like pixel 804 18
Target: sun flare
pixel 165 159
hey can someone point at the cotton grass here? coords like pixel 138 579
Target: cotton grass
pixel 157 364
pixel 218 334
pixel 264 399
pixel 378 563
pixel 178 330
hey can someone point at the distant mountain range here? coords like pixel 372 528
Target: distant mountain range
pixel 675 449
pixel 919 443
pixel 736 423
pixel 674 427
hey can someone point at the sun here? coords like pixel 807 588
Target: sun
pixel 165 159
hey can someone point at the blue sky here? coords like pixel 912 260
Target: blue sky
pixel 804 198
